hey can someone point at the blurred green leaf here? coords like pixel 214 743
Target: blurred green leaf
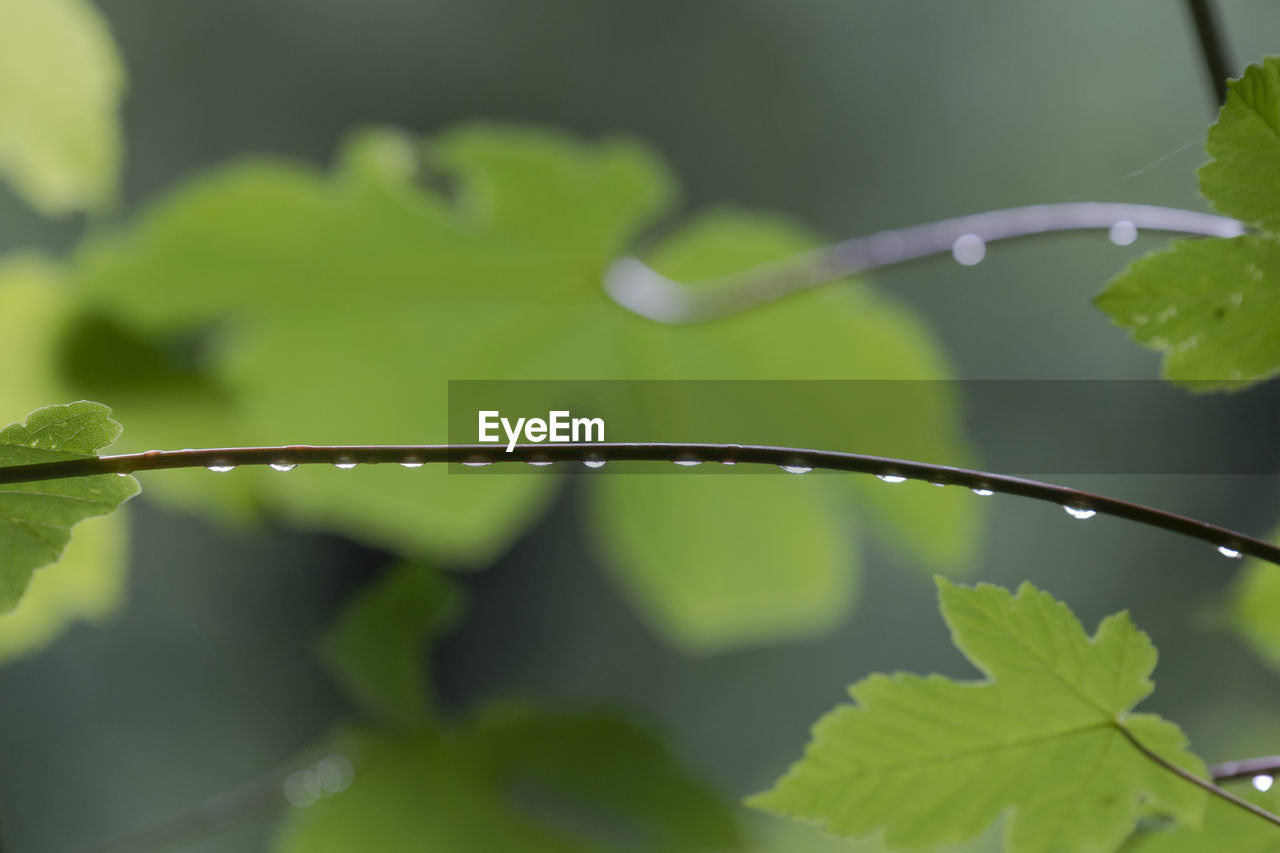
pixel 723 561
pixel 720 562
pixel 60 86
pixel 516 779
pixel 412 793
pixel 513 776
pixel 1255 601
pixel 378 646
pixel 1210 305
pixel 36 518
pixel 604 764
pixel 931 761
pixel 336 309
pixel 1242 178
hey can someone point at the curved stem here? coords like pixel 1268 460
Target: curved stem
pixel 1230 542
pixel 1183 773
pixel 1246 768
pixel 211 815
pixel 639 288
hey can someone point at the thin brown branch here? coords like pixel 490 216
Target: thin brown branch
pixel 1079 503
pixel 1246 768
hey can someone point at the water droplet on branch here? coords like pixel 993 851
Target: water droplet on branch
pixel 283 466
pixel 969 249
pixel 221 468
pixel 1123 233
pixel 1080 512
pixel 1230 553
pixel 796 469
pixel 891 478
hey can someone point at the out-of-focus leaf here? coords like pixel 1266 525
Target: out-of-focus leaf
pixel 377 647
pixel 517 779
pixel 1255 599
pixel 607 765
pixel 722 561
pixel 60 86
pixel 412 793
pixel 931 761
pixel 335 309
pixel 36 518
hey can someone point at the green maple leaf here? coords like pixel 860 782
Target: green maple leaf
pixel 1211 305
pixel 1047 736
pixel 36 518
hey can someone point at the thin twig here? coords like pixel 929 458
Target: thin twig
pixel 1229 542
pixel 210 815
pixel 1182 772
pixel 1213 47
pixel 1246 768
pixel 636 286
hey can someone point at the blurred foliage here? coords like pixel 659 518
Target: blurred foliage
pixel 375 650
pixel 335 309
pixel 511 777
pixel 932 761
pixel 61 82
pixel 1211 305
pixel 1254 603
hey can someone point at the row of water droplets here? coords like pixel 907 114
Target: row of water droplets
pixel 970 249
pixel 1076 509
